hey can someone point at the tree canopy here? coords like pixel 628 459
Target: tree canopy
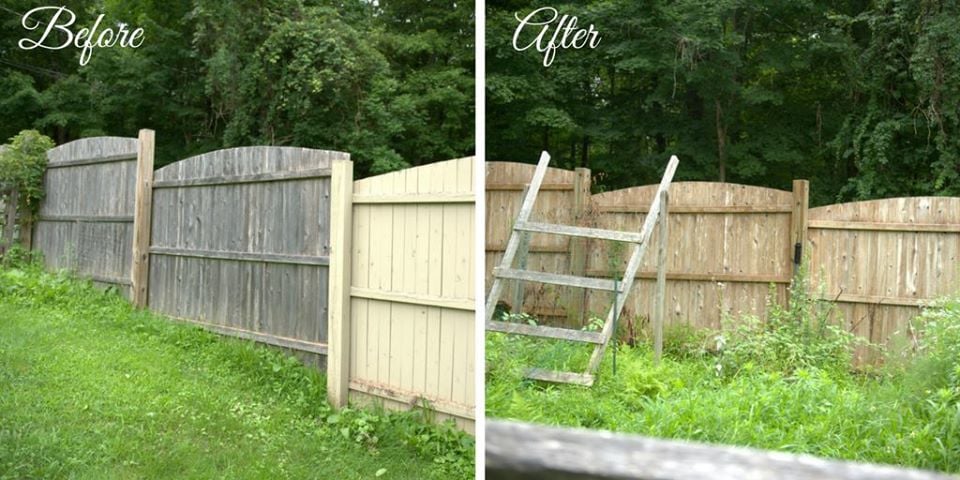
pixel 861 97
pixel 390 82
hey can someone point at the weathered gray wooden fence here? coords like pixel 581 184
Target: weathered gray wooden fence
pixel 86 221
pixel 240 243
pixel 236 240
pixel 517 451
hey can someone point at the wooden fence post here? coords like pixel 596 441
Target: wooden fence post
pixel 142 210
pixel 338 319
pixel 798 221
pixel 578 245
pixel 661 301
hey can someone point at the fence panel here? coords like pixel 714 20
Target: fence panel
pixel 85 223
pixel 881 259
pixel 411 313
pixel 562 199
pixel 240 243
pixel 728 244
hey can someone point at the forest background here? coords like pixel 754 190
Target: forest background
pixel 391 82
pixel 860 97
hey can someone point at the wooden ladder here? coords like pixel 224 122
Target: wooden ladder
pixel 523 226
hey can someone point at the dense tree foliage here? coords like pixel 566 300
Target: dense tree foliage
pixel 860 97
pixel 391 81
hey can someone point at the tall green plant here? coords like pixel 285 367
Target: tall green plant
pixel 800 335
pixel 22 163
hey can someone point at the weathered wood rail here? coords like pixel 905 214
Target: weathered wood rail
pixel 516 451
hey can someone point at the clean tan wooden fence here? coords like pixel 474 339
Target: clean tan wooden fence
pixel 729 243
pixel 880 260
pixel 244 242
pixel 406 335
pixel 562 199
pixel 86 221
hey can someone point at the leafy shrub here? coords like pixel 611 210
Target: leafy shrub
pixel 684 341
pixel 800 335
pixel 22 165
pixel 931 380
pixel 938 328
pixel 18 257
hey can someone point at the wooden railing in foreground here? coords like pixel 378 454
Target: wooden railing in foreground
pixel 522 451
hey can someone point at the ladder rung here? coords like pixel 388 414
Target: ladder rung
pixel 558 279
pixel 573 231
pixel 584 379
pixel 546 332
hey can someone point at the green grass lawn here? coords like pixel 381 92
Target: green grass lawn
pixel 783 386
pixel 90 388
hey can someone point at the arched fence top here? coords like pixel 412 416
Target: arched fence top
pixel 504 175
pixel 447 177
pixel 700 193
pixel 92 150
pixel 923 210
pixel 248 161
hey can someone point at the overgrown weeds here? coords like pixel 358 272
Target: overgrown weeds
pixel 783 384
pixel 803 334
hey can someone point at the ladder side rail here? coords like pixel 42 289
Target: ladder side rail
pixel 634 265
pixel 513 244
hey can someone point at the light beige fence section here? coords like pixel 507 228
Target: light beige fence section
pixel 406 332
pixel 86 221
pixel 240 243
pixel 881 259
